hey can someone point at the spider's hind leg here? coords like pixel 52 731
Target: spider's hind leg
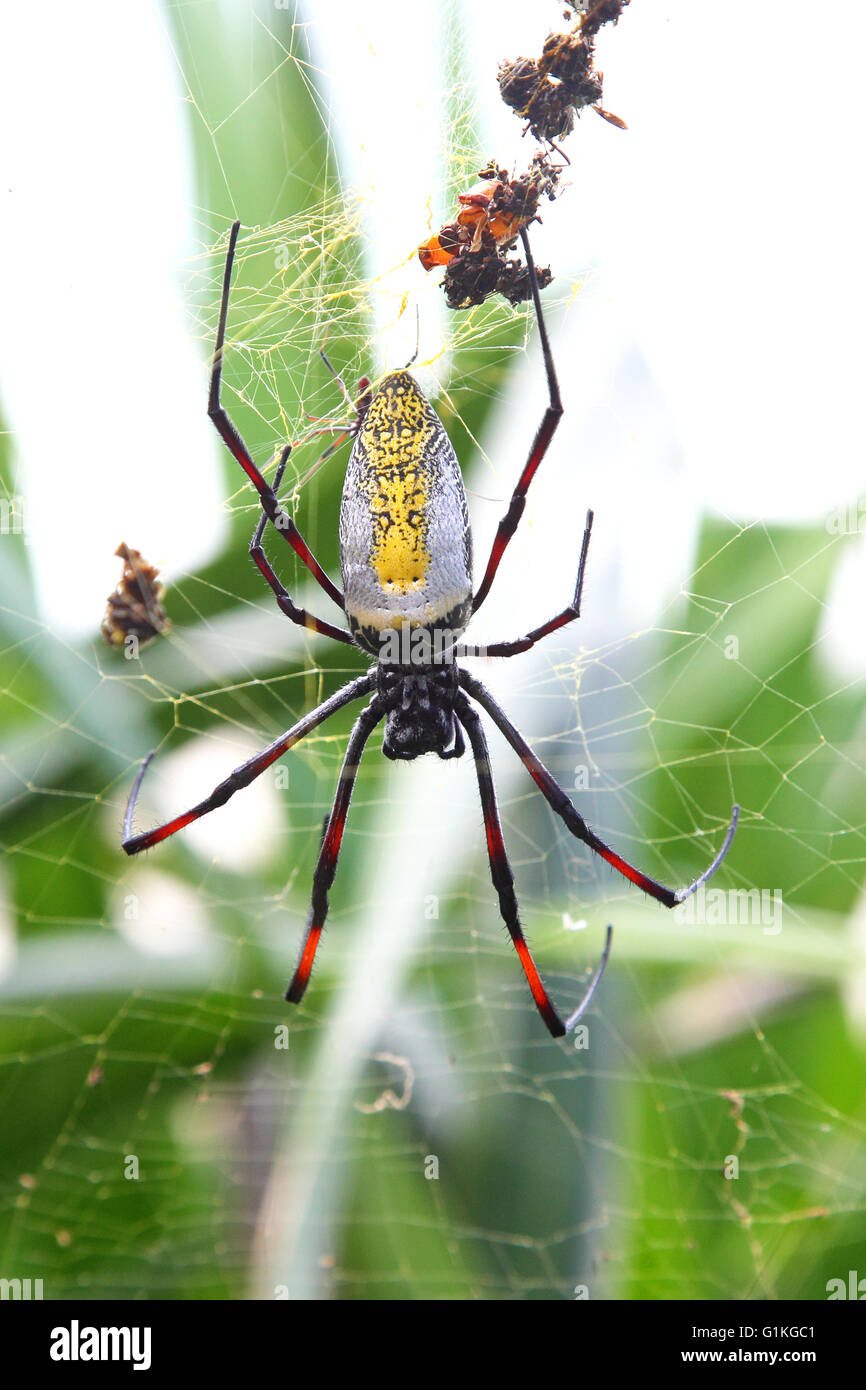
pixel 326 866
pixel 564 807
pixel 241 776
pixel 503 881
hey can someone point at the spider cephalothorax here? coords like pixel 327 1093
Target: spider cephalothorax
pixel 406 559
pixel 420 718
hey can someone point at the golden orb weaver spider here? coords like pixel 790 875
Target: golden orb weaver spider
pixel 406 561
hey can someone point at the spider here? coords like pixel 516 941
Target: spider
pixel 406 562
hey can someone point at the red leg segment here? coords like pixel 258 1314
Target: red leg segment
pixel 503 880
pixel 231 437
pixel 567 812
pixel 241 776
pixel 329 853
pixel 550 420
pixel 283 597
pixel 568 615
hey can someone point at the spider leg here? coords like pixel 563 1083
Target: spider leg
pixel 568 615
pixel 458 748
pixel 326 867
pixel 565 809
pixel 241 776
pixel 284 599
pixel 361 402
pixel 231 437
pixel 344 432
pixel 544 434
pixel 342 435
pixel 503 879
pixel 593 984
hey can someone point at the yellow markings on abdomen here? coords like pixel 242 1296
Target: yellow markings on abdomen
pixel 399 555
pixel 397 483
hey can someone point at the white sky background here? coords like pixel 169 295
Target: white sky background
pixel 96 182
pixel 724 233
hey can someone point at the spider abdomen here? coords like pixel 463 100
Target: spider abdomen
pixel 405 543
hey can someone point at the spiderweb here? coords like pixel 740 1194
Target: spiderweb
pixel 171 1128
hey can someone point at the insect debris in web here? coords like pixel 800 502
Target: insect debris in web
pixel 135 611
pixel 492 214
pixel 548 93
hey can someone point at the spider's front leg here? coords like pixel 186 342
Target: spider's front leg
pixel 232 438
pixel 551 418
pixel 568 615
pixel 284 599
